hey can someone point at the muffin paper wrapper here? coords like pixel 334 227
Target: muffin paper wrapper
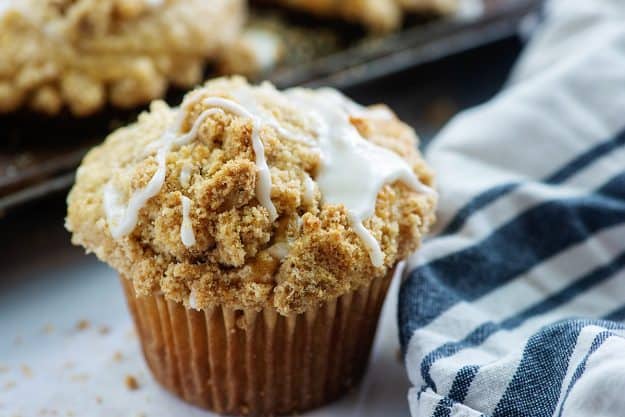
pixel 250 362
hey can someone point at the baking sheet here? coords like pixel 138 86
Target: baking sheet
pixel 38 155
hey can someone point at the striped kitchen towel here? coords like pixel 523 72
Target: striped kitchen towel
pixel 515 306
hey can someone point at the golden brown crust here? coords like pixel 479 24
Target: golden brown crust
pixel 85 53
pixel 234 260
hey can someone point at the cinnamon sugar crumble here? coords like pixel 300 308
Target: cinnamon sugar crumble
pixel 231 262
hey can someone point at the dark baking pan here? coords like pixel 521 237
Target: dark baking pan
pixel 38 155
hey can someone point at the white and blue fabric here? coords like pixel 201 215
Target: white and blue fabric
pixel 515 305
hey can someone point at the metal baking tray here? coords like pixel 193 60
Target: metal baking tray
pixel 38 155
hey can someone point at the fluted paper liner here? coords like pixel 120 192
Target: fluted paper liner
pixel 248 362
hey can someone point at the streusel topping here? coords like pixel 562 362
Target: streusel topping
pixel 249 197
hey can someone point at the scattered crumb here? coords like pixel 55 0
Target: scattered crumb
pixel 47 328
pixel 69 365
pixel 70 413
pixel 9 385
pixel 80 377
pixel 83 325
pixel 98 399
pixel 131 383
pixel 17 341
pixel 118 357
pixel 131 334
pixel 4 369
pixel 28 373
pixel 141 415
pixel 104 329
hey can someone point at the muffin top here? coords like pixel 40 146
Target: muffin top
pixel 249 197
pixel 81 54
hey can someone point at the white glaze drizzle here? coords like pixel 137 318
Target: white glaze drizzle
pixel 248 101
pixel 309 190
pixel 122 219
pixel 193 299
pixel 353 170
pixel 263 185
pixel 279 250
pixel 186 228
pixel 185 174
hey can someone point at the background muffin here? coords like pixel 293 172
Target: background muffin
pixel 375 15
pixel 85 53
pixel 228 206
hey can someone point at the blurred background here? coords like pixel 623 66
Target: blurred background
pixel 431 66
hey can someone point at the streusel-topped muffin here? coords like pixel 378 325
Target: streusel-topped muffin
pixel 85 53
pixel 276 205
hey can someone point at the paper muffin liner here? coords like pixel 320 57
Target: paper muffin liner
pixel 249 362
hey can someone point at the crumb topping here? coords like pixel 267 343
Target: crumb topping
pixel 240 255
pixel 85 53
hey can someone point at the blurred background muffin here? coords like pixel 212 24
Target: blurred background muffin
pixel 83 54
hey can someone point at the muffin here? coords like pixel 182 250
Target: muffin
pixel 375 15
pixel 83 54
pixel 255 233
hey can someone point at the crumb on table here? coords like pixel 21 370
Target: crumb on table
pixel 47 328
pixel 83 325
pixel 131 383
pixel 28 373
pixel 104 329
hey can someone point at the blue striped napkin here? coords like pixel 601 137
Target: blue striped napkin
pixel 515 306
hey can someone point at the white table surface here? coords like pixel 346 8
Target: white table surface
pixel 49 367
